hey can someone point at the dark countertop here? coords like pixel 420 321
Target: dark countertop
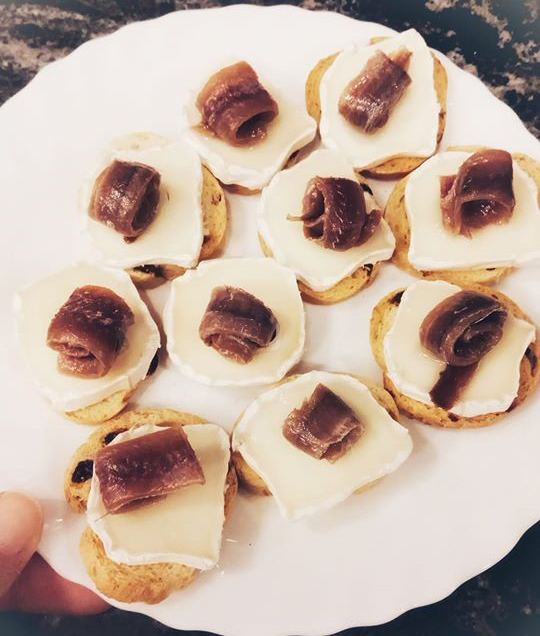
pixel 498 40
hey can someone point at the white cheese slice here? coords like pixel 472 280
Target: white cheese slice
pixel 35 307
pixel 271 283
pixel 434 248
pixel 301 484
pixel 175 236
pixel 318 267
pixel 414 370
pixel 411 129
pixel 251 166
pixel 186 526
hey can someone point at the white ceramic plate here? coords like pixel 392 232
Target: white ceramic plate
pixel 457 505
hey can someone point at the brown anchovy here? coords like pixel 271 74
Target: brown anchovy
pixel 460 331
pixel 450 385
pixel 235 106
pixel 236 324
pixel 334 213
pixel 324 426
pixel 89 330
pixel 369 98
pixel 126 197
pixel 481 193
pixel 146 467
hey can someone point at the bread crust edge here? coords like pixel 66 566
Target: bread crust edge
pixel 381 321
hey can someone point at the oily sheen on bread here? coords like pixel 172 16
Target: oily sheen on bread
pixel 396 215
pixel 381 320
pixel 129 583
pixel 392 168
pixel 215 219
pixel 253 483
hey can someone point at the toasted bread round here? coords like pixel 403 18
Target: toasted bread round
pixel 103 410
pixel 313 86
pixel 214 210
pixel 110 406
pixel 129 583
pixel 381 321
pixel 391 168
pixel 396 215
pixel 346 288
pixel 253 483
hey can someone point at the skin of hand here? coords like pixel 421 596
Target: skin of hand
pixel 27 582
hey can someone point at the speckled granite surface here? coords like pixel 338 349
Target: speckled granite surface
pixel 498 40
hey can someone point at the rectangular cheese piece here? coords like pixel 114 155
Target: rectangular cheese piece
pixel 272 284
pixel 176 234
pixel 253 166
pixel 185 527
pixel 36 305
pixel 432 247
pixel 301 484
pixel 318 267
pixel 411 130
pixel 414 370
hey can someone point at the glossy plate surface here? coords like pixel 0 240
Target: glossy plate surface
pixel 457 505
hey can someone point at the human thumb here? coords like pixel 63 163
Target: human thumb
pixel 21 523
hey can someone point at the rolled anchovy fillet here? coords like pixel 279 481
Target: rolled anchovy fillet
pixel 324 426
pixel 126 198
pixel 460 331
pixel 369 98
pixel 236 324
pixel 235 106
pixel 334 213
pixel 480 194
pixel 89 331
pixel 146 467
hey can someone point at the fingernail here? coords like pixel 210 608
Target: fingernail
pixel 21 521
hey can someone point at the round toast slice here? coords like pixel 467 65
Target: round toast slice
pixel 129 583
pixel 110 406
pixel 346 288
pixel 101 411
pixel 215 221
pixel 395 214
pixel 391 168
pixel 254 484
pixel 382 319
